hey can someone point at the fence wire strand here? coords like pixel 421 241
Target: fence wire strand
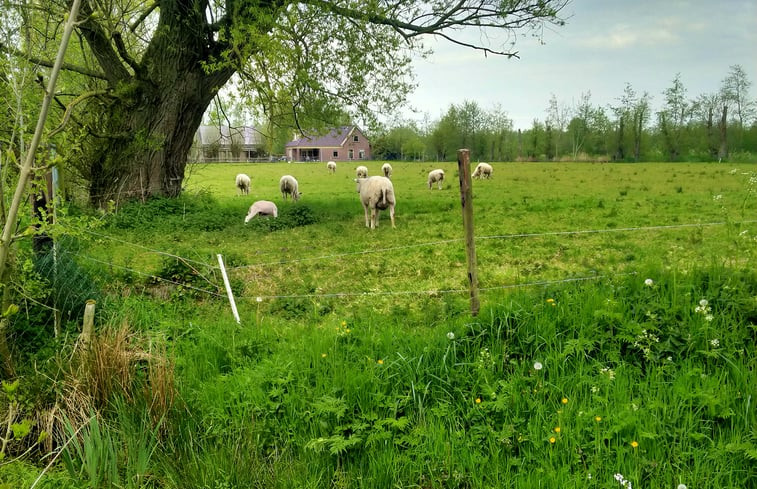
pixel 543 283
pixel 386 250
pixel 488 237
pixel 160 279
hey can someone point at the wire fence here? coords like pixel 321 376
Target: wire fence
pixel 206 273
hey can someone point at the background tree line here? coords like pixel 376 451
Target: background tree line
pixel 708 127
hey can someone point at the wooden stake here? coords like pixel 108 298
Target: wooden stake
pixel 466 199
pixel 228 289
pixel 89 324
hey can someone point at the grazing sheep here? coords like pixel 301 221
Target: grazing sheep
pixel 261 208
pixel 361 172
pixel 288 186
pixel 483 170
pixel 387 169
pixel 331 166
pixel 435 176
pixel 243 184
pixel 376 193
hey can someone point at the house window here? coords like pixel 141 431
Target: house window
pixel 361 154
pixel 352 154
pixel 335 154
pixel 355 138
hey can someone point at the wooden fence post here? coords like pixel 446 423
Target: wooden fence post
pixel 466 199
pixel 88 328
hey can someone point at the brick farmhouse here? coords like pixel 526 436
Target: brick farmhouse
pixel 346 143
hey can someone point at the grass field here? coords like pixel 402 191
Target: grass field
pixel 520 218
pixel 616 340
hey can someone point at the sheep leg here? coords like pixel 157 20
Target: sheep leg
pixel 391 215
pixel 374 218
pixel 367 216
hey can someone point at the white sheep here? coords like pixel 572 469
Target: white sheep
pixel 386 168
pixel 435 176
pixel 376 193
pixel 243 183
pixel 483 170
pixel 361 172
pixel 262 208
pixel 288 186
pixel 331 166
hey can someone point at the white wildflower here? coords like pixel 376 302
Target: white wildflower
pixel 450 335
pixel 715 342
pixel 259 299
pixel 681 486
pixel 538 366
pixel 709 317
pixel 717 197
pixel 649 282
pixel 623 482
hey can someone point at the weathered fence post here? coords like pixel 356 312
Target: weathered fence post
pixel 88 327
pixel 466 199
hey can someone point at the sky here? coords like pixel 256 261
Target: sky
pixel 604 45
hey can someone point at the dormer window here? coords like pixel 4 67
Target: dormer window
pixel 355 138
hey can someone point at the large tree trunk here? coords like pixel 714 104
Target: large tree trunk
pixel 157 102
pixel 154 133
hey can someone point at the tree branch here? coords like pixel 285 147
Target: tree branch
pixel 101 47
pixel 141 18
pixel 67 115
pixel 119 41
pixel 464 13
pixel 49 64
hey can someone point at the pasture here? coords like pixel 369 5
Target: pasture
pixel 616 339
pixel 533 223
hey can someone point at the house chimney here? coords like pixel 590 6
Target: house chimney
pixel 294 136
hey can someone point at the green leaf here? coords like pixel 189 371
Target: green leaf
pixel 10 311
pixel 20 430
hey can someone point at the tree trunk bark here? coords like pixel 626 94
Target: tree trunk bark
pixel 154 133
pixel 156 103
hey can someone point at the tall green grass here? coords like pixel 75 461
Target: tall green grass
pixel 554 384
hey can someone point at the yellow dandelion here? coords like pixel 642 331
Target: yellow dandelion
pixel 597 418
pixel 557 429
pixel 344 323
pixel 478 400
pixel 564 400
pixel 635 444
pixel 347 330
pixel 552 439
pixel 551 301
pixel 323 355
pixel 380 361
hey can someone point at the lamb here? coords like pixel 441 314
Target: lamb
pixel 435 176
pixel 361 172
pixel 243 183
pixel 483 170
pixel 376 193
pixel 331 166
pixel 288 186
pixel 262 208
pixel 387 169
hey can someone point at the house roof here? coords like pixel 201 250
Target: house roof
pixel 223 135
pixel 333 139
